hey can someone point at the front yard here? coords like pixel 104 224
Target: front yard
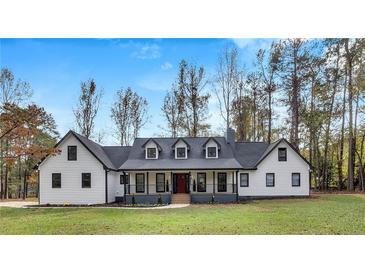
pixel 325 214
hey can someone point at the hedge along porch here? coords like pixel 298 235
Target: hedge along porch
pixel 203 186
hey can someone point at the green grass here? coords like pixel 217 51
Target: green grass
pixel 327 214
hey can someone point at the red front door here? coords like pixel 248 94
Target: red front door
pixel 180 183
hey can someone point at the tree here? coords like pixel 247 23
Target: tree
pixel 226 82
pixel 87 108
pixel 268 70
pixel 171 113
pixel 293 69
pixel 255 91
pixel 192 100
pixel 129 113
pixel 23 128
pixel 11 92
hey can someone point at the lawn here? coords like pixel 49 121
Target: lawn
pixel 325 214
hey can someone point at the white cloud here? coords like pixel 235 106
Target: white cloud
pixel 146 51
pixel 244 42
pixel 166 66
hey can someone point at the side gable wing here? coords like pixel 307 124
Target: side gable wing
pixel 274 145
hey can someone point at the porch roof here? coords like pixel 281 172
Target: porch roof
pixel 189 164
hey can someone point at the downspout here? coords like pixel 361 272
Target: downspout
pixel 39 187
pixel 106 184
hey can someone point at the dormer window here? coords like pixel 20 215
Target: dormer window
pixel 212 152
pixel 211 148
pixel 181 152
pixel 152 149
pixel 151 153
pixel 181 148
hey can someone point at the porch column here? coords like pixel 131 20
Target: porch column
pixel 148 185
pixel 233 185
pixel 171 184
pixel 125 187
pixel 213 182
pixel 237 198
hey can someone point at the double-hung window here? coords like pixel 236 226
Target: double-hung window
pixel 181 152
pixel 56 180
pixel 160 182
pixel 202 184
pixel 140 183
pixel 86 180
pixel 222 182
pixel 270 179
pixel 295 179
pixel 151 153
pixel 72 153
pixel 212 152
pixel 244 180
pixel 282 154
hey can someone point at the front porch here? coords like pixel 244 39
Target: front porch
pixel 203 186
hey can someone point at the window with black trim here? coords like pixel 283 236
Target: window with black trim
pixel 181 152
pixel 212 152
pixel 72 153
pixel 140 183
pixel 295 179
pixel 56 180
pixel 282 154
pixel 124 179
pixel 160 182
pixel 222 182
pixel 86 180
pixel 270 179
pixel 244 180
pixel 151 153
pixel 202 182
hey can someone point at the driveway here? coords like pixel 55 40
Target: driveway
pixel 17 204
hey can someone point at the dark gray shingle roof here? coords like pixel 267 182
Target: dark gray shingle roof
pixel 249 153
pixel 117 154
pixel 245 155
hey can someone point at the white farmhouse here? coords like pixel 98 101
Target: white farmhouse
pixel 171 170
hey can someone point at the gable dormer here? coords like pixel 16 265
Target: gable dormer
pixel 181 149
pixel 212 148
pixel 152 149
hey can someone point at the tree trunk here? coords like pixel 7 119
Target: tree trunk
pixel 342 138
pixel 24 184
pixel 6 183
pixel 351 141
pixel 270 118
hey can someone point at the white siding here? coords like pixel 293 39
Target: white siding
pixel 71 191
pixel 283 174
pixel 113 183
pixel 119 189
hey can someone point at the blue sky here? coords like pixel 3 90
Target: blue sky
pixel 55 67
